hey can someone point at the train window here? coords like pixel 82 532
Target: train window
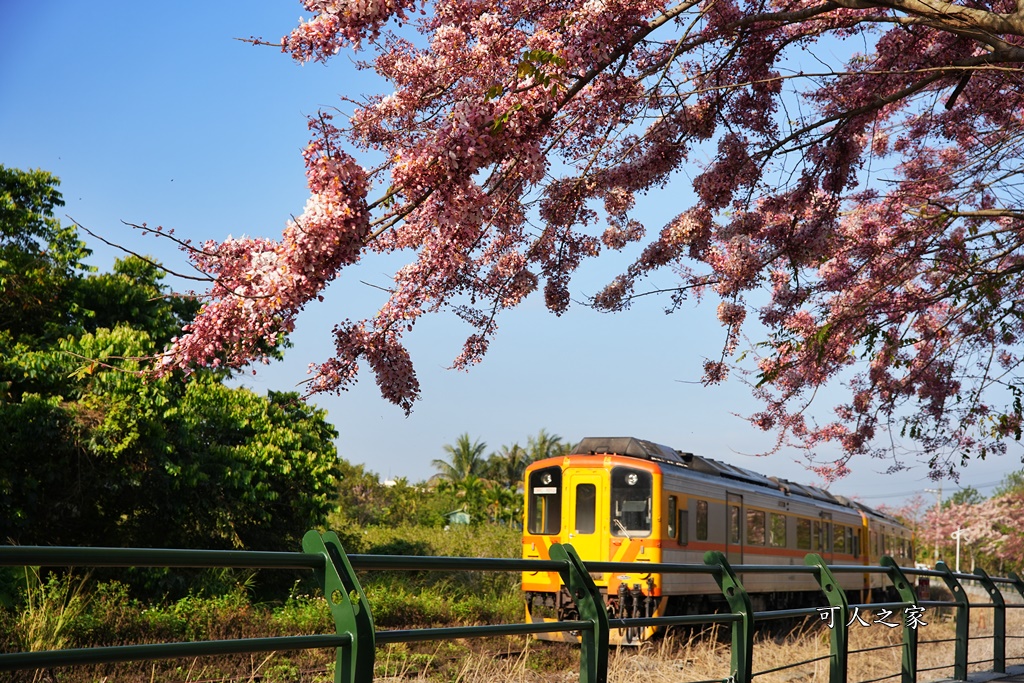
pixel 840 546
pixel 856 543
pixel 586 508
pixel 874 543
pixel 816 538
pixel 702 520
pixel 803 534
pixel 850 544
pixel 671 519
pixel 777 530
pixel 545 501
pixel 631 502
pixel 734 524
pixel 755 527
pixel 684 527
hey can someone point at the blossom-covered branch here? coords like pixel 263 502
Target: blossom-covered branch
pixel 872 208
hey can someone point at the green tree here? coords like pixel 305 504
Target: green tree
pixel 38 257
pixel 506 467
pixel 465 460
pixel 94 453
pixel 1011 483
pixel 965 496
pixel 546 445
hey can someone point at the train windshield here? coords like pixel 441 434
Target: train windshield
pixel 544 506
pixel 631 502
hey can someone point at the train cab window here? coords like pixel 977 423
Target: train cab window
pixel 755 527
pixel 586 508
pixel 803 534
pixel 734 524
pixel 702 520
pixel 671 518
pixel 544 506
pixel 840 545
pixel 777 531
pixel 684 527
pixel 631 502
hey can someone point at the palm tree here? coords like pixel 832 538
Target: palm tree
pixel 508 465
pixel 546 445
pixel 474 491
pixel 465 459
pixel 501 505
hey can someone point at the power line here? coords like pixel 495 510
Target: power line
pixel 910 493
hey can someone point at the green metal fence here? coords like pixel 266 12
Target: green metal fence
pixel 355 637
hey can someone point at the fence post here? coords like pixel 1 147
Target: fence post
pixel 906 590
pixel 839 638
pixel 1018 582
pixel 963 620
pixel 593 643
pixel 998 620
pixel 739 603
pixel 349 607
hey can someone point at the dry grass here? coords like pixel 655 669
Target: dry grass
pixel 681 656
pixel 705 656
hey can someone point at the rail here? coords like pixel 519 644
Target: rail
pixel 355 637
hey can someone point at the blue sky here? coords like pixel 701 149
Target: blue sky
pixel 154 113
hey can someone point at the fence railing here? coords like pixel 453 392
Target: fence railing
pixel 355 638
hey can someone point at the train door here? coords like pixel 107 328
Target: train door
pixel 586 500
pixel 734 528
pixel 824 542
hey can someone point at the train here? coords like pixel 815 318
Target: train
pixel 624 499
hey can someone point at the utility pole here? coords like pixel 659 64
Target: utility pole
pixel 938 502
pixel 956 535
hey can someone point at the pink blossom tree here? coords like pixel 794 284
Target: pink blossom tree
pixel 865 209
pixel 1004 516
pixel 991 531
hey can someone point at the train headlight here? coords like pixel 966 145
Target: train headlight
pixel 546 478
pixel 632 479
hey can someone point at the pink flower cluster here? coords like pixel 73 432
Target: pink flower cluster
pixel 869 208
pixel 259 286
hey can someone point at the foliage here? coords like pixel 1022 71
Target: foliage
pixel 465 460
pixel 50 610
pixel 404 598
pixel 508 466
pixel 98 453
pixel 486 488
pixel 863 206
pixel 968 495
pixel 364 500
pixel 38 257
pixel 1011 483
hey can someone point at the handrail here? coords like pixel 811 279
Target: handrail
pixel 355 636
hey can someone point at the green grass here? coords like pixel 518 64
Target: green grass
pixel 66 611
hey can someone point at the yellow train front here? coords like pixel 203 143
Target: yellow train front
pixel 605 507
pixel 629 500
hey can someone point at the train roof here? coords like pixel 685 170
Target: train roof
pixel 648 450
